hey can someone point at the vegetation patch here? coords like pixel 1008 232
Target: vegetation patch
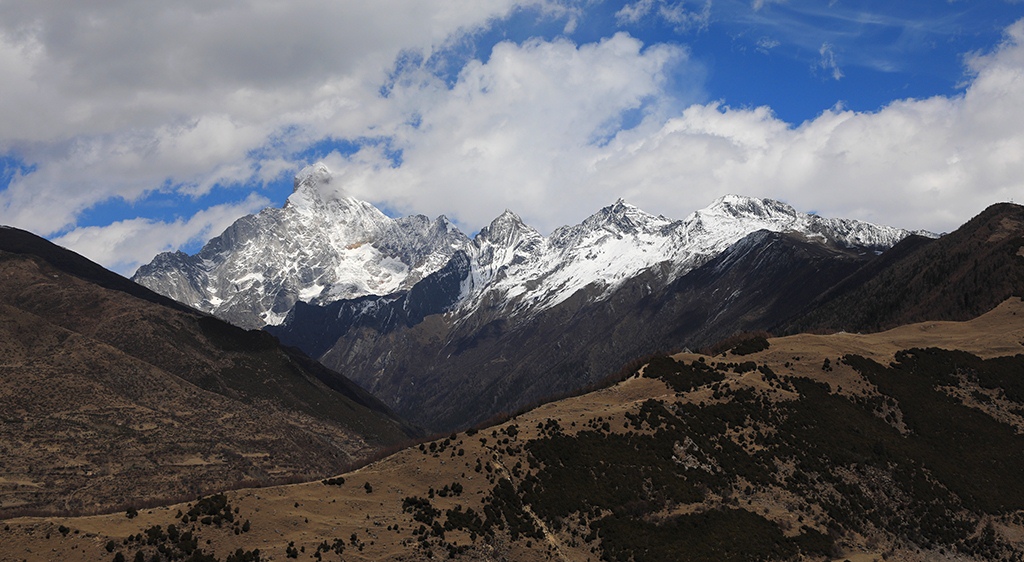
pixel 752 345
pixel 680 376
pixel 728 535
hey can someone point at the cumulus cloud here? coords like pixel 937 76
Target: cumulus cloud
pixel 520 131
pixel 125 245
pixel 109 101
pixel 523 131
pixel 927 163
pixel 117 99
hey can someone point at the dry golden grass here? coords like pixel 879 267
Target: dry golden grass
pixel 310 513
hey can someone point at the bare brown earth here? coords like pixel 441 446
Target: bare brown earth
pixel 109 400
pixel 365 514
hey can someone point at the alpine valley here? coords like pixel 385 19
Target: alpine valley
pixel 882 418
pixel 450 331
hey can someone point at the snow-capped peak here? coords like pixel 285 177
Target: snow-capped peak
pixel 321 246
pixel 624 218
pixel 739 206
pixel 312 176
pixel 324 246
pixel 505 230
pixel 315 187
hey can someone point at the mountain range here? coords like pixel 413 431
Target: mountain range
pixel 903 444
pixel 324 246
pixel 373 296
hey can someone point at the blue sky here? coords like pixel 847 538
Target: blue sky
pixel 130 129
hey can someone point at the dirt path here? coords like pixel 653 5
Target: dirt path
pixel 551 538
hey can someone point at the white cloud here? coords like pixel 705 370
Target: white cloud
pixel 633 13
pixel 520 131
pixel 928 163
pixel 125 245
pixel 109 101
pixel 116 99
pixel 517 132
pixel 680 14
pixel 766 44
pixel 758 4
pixel 684 18
pixel 827 62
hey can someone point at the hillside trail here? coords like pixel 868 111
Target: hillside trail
pixel 548 535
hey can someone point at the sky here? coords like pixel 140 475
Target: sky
pixel 130 127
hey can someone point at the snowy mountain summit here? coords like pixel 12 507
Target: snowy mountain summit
pixel 323 246
pixel 320 247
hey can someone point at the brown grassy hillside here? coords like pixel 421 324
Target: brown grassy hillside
pixel 858 447
pixel 109 398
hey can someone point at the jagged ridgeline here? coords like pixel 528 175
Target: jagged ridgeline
pixel 450 331
pixel 859 447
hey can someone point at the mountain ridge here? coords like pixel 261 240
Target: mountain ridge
pixel 493 295
pixel 341 248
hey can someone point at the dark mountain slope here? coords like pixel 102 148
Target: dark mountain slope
pixel 446 375
pixel 956 277
pixel 316 329
pixel 108 394
pixel 17 241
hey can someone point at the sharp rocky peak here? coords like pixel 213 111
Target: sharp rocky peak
pixel 505 229
pixel 739 206
pixel 312 176
pixel 314 187
pixel 621 216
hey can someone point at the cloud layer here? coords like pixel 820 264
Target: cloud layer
pixel 537 130
pixel 117 100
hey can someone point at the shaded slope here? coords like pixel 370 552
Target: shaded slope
pixel 109 394
pixel 956 277
pixel 447 373
pixel 316 329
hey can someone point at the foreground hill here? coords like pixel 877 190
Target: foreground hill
pixel 900 445
pixel 111 394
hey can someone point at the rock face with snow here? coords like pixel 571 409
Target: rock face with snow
pixel 321 247
pixel 409 306
pixel 532 273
